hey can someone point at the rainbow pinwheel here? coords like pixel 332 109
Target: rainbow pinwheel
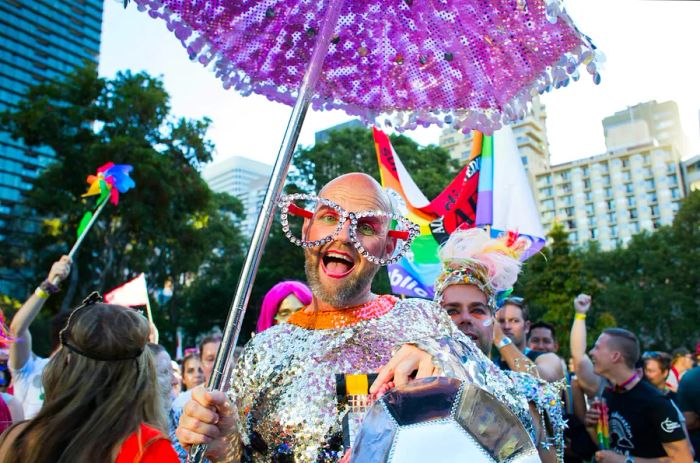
pixel 111 179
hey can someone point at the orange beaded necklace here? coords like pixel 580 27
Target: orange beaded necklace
pixel 313 320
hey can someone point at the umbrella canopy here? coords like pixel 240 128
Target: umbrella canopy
pixel 471 63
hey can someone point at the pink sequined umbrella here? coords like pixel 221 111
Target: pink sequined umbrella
pixel 471 64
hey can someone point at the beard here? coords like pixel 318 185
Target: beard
pixel 353 285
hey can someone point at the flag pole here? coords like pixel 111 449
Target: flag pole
pixel 79 241
pixel 234 321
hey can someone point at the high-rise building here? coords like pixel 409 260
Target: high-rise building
pixel 323 135
pixel 691 174
pixel 531 137
pixel 40 40
pixel 636 185
pixel 644 124
pixel 245 179
pixel 610 197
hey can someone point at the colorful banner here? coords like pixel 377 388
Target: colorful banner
pixel 490 191
pixel 454 207
pixel 506 202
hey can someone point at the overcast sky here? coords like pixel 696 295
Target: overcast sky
pixel 651 50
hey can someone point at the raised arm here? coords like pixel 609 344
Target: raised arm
pixel 514 358
pixel 588 380
pixel 21 349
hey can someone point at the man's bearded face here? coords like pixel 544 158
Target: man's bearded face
pixel 336 272
pixel 346 288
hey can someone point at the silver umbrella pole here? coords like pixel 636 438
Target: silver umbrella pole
pixel 224 356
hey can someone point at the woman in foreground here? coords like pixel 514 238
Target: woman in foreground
pixel 101 401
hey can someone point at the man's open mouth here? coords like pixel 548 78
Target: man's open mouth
pixel 337 264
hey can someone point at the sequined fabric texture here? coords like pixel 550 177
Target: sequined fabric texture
pixel 284 384
pixel 473 64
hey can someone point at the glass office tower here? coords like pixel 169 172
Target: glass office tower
pixel 40 40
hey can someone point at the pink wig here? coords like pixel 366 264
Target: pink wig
pixel 274 298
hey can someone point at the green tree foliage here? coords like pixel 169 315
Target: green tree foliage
pixel 651 285
pixel 169 227
pixel 551 280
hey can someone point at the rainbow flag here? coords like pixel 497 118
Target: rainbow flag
pixel 490 191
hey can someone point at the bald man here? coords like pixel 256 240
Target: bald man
pixel 282 404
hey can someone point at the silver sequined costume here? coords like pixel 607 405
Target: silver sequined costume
pixel 284 384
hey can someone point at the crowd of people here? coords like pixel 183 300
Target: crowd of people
pixel 107 392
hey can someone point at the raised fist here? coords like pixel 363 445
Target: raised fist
pixel 582 303
pixel 60 270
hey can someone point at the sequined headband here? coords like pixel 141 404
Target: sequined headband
pixel 464 276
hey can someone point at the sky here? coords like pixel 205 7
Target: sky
pixel 650 48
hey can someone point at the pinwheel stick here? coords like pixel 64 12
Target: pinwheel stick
pixel 224 357
pixel 82 236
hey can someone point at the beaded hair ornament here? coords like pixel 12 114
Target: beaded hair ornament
pixel 472 257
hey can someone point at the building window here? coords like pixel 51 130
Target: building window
pixel 546 191
pixel 629 188
pixel 675 193
pixel 634 227
pixel 589 196
pixel 608 192
pixel 611 217
pixel 611 205
pixel 545 180
pixel 651 197
pixel 671 168
pixel 589 209
pixel 672 179
pixel 655 210
pixel 626 176
pixel 625 163
pixel 603 166
pixel 573 237
pixel 594 233
pixel 585 171
pixel 524 160
pixel 631 202
pixel 647 172
pixel 564 175
pixel 568 200
pixel 606 180
pixel 569 211
pixel 571 224
pixel 650 184
pixel 633 213
pixel 548 204
pixel 587 184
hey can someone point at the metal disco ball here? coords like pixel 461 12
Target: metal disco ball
pixel 442 420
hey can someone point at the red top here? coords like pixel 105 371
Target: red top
pixel 147 445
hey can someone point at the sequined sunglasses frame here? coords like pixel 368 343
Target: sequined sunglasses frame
pixel 287 207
